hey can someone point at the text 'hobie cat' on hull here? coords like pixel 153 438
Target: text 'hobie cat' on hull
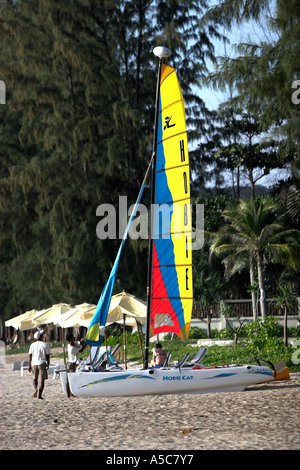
pixel 134 382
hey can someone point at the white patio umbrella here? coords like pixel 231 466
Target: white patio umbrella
pixel 120 305
pixel 70 318
pixel 22 322
pixel 51 314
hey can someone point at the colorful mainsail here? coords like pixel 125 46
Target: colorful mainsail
pixel 172 286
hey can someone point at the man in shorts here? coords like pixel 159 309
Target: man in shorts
pixel 39 360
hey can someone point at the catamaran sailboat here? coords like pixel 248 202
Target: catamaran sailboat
pixel 170 290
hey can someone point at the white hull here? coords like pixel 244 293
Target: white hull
pixel 134 382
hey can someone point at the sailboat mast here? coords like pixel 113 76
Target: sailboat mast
pixel 160 52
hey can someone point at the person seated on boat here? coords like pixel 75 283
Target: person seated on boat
pixel 159 356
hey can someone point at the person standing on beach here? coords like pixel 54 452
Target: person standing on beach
pixel 39 360
pixel 74 347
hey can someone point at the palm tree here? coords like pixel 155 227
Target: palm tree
pixel 253 233
pixel 286 298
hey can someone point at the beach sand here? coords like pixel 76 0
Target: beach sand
pixel 264 417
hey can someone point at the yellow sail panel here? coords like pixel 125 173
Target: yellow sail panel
pixel 172 284
pixel 179 180
pixel 177 143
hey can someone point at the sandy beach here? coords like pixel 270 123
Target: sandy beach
pixel 264 417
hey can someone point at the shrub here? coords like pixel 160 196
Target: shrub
pixel 196 333
pixel 259 333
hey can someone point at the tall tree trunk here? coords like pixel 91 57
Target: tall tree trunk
pixel 238 183
pixel 253 293
pixel 285 335
pixel 208 323
pixel 252 182
pixel 261 282
pixel 139 53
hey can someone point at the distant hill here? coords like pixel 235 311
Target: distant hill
pixel 245 191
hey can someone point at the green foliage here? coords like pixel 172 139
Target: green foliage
pixel 253 233
pixel 243 150
pixel 263 339
pixel 221 334
pixel 259 338
pixel 77 132
pixel 213 209
pixel 286 297
pixel 264 335
pixel 196 333
pixel 262 74
pixel 294 331
pixel 208 281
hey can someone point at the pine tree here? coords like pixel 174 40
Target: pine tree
pixel 264 71
pixel 244 150
pixel 77 132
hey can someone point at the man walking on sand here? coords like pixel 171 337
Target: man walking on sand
pixel 39 359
